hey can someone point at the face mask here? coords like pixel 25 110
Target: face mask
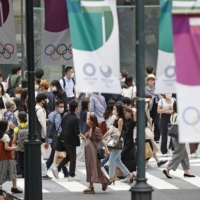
pixel 36 87
pixel 88 122
pixel 47 100
pixel 15 108
pixel 72 75
pixel 18 96
pixel 168 96
pixel 127 117
pixel 61 110
pixel 114 112
pixel 123 80
pixel 54 89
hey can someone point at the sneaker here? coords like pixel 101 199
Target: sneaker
pixel 126 180
pixel 162 162
pixel 73 178
pixel 46 177
pixel 193 155
pixel 16 191
pixel 55 172
pixel 148 166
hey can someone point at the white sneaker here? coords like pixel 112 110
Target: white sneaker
pixel 73 178
pixel 196 154
pixel 193 155
pixel 148 166
pixel 126 180
pixel 55 172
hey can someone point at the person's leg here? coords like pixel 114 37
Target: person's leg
pixel 104 161
pixel 21 161
pixel 156 122
pixel 185 160
pixel 65 171
pixel 112 158
pixel 50 159
pixel 65 160
pixel 72 158
pixel 163 127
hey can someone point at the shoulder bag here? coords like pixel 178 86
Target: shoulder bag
pixel 173 129
pixel 100 152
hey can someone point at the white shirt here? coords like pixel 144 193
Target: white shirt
pixel 5 138
pixel 163 104
pixel 41 115
pixel 128 92
pixel 110 120
pixel 69 86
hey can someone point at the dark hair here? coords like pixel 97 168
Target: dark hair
pixel 24 96
pixel 59 102
pixel 129 81
pixel 59 91
pixel 22 117
pixel 121 115
pixel 38 81
pixel 109 109
pixel 127 109
pixel 39 73
pixel 149 69
pixel 15 69
pixel 40 97
pixel 72 106
pixel 24 83
pixel 124 73
pixel 2 91
pixel 85 104
pixel 175 107
pixel 4 126
pixel 68 69
pixel 94 120
pixel 126 100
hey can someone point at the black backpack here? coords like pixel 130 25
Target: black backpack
pixel 51 129
pixel 65 83
pixel 11 90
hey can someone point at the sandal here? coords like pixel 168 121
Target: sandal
pixel 104 186
pixel 89 191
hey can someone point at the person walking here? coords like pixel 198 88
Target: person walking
pixel 68 84
pixel 3 98
pixel 92 163
pixel 150 93
pixel 180 154
pixel 165 108
pixel 7 164
pixel 70 137
pixel 115 156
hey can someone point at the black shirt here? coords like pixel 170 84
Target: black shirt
pixel 1 103
pixel 70 130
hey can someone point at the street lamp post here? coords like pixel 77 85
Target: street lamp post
pixel 141 190
pixel 33 180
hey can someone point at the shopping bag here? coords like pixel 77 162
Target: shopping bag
pixel 45 152
pixel 148 150
pixel 81 153
pixel 58 157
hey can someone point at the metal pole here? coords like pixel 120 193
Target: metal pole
pixel 33 177
pixel 63 70
pixel 22 36
pixel 141 190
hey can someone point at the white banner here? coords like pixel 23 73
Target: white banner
pixel 56 46
pixel 8 50
pixel 95 38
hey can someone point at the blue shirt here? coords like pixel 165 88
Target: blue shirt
pixel 69 86
pixel 98 106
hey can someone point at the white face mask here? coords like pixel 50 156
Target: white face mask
pixel 61 110
pixel 114 112
pixel 168 96
pixel 123 80
pixel 36 87
pixel 72 75
pixel 18 96
pixel 47 100
pixel 54 89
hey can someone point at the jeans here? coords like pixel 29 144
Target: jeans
pixel 50 162
pixel 104 161
pixel 115 160
pixel 71 156
pixel 72 99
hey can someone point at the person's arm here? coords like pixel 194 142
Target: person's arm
pixel 77 129
pixel 8 148
pixel 10 122
pixel 161 110
pixel 134 92
pixel 41 114
pixel 91 105
pixel 62 84
pixel 106 147
pixel 120 125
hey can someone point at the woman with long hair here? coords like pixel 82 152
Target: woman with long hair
pixel 115 156
pixel 59 93
pixel 7 164
pixel 92 163
pixel 128 89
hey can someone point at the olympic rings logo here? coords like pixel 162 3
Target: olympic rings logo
pixel 169 84
pixel 6 51
pixel 62 50
pixel 195 120
pixel 89 69
pixel 171 68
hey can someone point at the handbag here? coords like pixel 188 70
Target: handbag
pixel 118 146
pixel 173 129
pixel 100 152
pixel 148 150
pixel 57 144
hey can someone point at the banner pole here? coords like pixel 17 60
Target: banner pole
pixel 141 190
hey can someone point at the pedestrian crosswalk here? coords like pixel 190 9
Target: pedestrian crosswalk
pixel 155 178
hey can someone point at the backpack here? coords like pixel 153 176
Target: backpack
pixel 65 83
pixel 11 90
pixel 38 126
pixel 22 136
pixel 51 129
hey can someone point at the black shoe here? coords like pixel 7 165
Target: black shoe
pixel 66 176
pixel 162 162
pixel 16 191
pixel 189 175
pixel 46 177
pixel 165 173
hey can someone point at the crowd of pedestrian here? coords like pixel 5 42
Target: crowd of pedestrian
pixel 103 125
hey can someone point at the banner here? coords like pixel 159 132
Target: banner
pixel 95 38
pixel 56 47
pixel 186 30
pixel 8 50
pixel 165 73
